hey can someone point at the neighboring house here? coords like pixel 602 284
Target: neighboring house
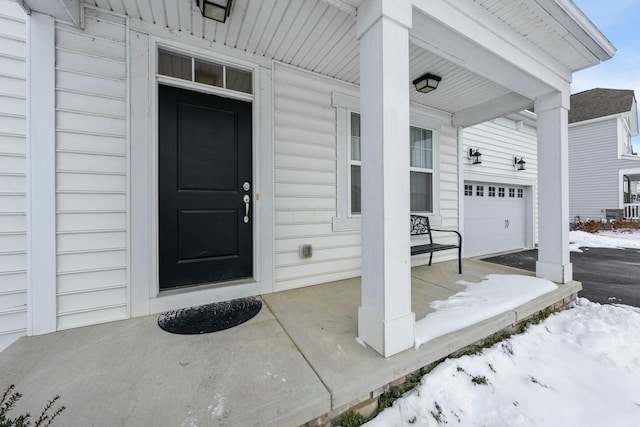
pixel 174 160
pixel 500 194
pixel 603 169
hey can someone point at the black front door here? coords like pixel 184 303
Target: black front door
pixel 204 188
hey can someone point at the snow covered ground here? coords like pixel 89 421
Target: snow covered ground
pixel 496 294
pixel 580 367
pixel 603 239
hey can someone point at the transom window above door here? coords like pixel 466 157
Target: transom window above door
pixel 185 67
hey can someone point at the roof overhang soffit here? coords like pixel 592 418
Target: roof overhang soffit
pixel 472 37
pixel 64 10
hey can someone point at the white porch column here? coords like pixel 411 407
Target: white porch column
pixel 41 191
pixel 553 183
pixel 385 320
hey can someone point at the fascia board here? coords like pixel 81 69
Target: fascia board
pixel 597 119
pixel 580 26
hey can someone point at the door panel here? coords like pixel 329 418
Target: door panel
pixel 206 234
pixel 204 157
pixel 197 151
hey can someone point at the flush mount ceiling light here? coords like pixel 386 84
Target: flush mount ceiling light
pixel 218 10
pixel 427 83
pixel 519 163
pixel 475 156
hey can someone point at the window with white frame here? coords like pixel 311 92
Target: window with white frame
pixel 420 168
pixel 186 67
pixel 423 168
pixel 627 147
pixel 354 165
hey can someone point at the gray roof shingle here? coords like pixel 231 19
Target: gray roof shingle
pixel 599 102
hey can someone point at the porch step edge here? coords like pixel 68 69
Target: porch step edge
pixel 451 345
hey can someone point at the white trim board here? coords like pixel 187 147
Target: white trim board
pixel 41 192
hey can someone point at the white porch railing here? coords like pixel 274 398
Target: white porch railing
pixel 632 211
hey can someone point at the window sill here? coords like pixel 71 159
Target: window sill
pixel 346 224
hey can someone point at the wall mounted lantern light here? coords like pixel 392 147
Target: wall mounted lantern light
pixel 218 10
pixel 474 155
pixel 519 163
pixel 427 83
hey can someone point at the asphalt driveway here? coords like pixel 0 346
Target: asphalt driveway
pixel 607 275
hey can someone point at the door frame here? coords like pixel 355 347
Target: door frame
pixel 145 294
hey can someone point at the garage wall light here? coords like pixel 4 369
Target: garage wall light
pixel 519 163
pixel 427 83
pixel 474 155
pixel 218 10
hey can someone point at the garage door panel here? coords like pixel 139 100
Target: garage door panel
pixel 494 223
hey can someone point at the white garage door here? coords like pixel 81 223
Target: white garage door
pixel 495 218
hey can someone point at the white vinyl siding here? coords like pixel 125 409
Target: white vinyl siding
pixel 305 182
pixel 448 193
pixel 306 187
pixel 594 163
pixel 13 186
pixel 91 171
pixel 499 141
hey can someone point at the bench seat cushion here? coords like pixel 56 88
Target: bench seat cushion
pixel 430 247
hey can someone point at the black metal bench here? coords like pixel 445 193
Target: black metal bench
pixel 420 226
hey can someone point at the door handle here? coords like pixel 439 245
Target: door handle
pixel 246 199
pixel 506 223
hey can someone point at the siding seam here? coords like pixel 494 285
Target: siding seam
pixel 90 270
pixel 12 272
pixel 89 310
pixel 87 74
pixel 89 113
pixel 89 133
pixel 86 291
pixel 13 77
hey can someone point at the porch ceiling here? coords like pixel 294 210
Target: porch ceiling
pixel 320 36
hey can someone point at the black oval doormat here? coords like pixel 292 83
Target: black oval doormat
pixel 210 317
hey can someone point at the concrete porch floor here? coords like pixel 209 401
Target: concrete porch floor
pixel 298 359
